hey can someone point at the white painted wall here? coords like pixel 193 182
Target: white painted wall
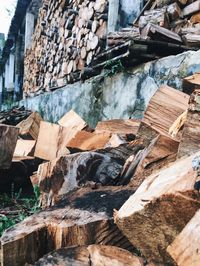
pixel 7 74
pixel 29 29
pixel 130 9
pixel 11 71
pixel 113 15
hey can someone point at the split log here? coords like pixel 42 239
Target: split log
pixel 29 128
pixel 83 217
pixel 164 108
pixel 156 32
pixel 147 6
pixel 118 126
pixel 158 17
pixel 178 124
pixel 66 173
pixel 161 151
pixel 72 120
pixel 147 133
pixel 190 141
pixel 34 179
pixel 192 40
pixel 160 209
pixel 24 147
pixel 117 140
pixel 174 12
pixel 192 8
pixel 94 255
pixel 195 18
pixel 191 83
pixel 8 140
pixel 52 141
pixel 87 141
pixel 185 248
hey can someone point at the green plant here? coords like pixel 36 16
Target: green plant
pixel 113 67
pixel 18 207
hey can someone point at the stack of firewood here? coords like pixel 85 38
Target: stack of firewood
pixel 146 172
pixel 68 35
pixel 14 116
pixel 172 21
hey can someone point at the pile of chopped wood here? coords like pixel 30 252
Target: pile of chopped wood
pixel 67 37
pixel 124 193
pixel 70 39
pixel 169 21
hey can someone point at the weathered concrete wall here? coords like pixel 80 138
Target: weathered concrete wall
pixel 121 96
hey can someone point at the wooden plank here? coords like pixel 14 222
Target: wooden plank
pixel 24 147
pixel 159 210
pixel 164 108
pixel 8 140
pixel 185 248
pixel 118 126
pixel 52 141
pixel 29 128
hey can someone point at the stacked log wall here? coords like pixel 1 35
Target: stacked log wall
pixel 67 36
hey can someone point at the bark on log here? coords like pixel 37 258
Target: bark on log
pixel 8 140
pixel 66 173
pixel 83 217
pixel 155 32
pixel 22 167
pixel 160 209
pixel 14 116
